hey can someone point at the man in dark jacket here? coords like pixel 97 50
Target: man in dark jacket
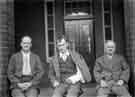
pixel 24 71
pixel 67 71
pixel 111 73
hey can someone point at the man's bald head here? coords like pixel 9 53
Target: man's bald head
pixel 110 43
pixel 26 39
pixel 110 47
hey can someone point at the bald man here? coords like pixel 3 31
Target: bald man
pixel 111 73
pixel 24 71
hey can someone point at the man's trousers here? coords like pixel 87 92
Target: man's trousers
pixel 67 90
pixel 117 90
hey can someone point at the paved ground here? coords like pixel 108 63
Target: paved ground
pixel 88 92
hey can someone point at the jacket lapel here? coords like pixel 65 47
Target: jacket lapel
pixel 82 65
pixel 20 58
pixel 56 67
pixel 31 61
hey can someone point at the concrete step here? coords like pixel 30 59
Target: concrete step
pixel 88 92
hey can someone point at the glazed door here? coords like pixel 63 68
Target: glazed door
pixel 80 34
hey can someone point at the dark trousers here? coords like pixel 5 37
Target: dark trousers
pixel 68 90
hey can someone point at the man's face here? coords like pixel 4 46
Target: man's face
pixel 26 44
pixel 110 48
pixel 62 45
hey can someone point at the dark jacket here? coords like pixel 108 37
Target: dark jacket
pixel 15 69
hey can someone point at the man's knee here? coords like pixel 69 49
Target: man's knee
pixel 57 93
pixel 121 91
pixel 17 93
pixel 73 91
pixel 32 92
pixel 103 92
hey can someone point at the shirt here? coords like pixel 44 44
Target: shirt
pixel 26 64
pixel 64 55
pixel 76 77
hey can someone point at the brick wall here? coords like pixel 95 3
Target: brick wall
pixel 6 42
pixel 129 6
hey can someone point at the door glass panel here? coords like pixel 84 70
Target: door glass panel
pixel 80 34
pixel 78 7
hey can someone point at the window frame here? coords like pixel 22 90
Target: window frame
pixel 48 58
pixel 111 21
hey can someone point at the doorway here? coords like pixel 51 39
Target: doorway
pixel 80 34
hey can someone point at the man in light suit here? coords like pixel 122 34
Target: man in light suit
pixel 111 73
pixel 25 71
pixel 67 71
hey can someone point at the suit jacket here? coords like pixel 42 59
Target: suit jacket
pixel 115 69
pixel 16 65
pixel 54 72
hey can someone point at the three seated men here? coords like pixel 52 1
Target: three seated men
pixel 67 71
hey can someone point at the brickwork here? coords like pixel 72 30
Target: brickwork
pixel 6 42
pixel 129 6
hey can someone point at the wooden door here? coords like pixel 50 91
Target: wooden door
pixel 80 34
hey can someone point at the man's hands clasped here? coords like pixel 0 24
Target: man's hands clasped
pixel 24 85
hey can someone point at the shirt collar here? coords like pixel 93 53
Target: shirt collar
pixel 25 53
pixel 66 53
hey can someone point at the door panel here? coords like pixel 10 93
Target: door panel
pixel 80 34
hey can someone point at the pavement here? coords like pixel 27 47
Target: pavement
pixel 89 91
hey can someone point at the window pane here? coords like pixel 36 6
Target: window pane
pixel 107 19
pixel 77 6
pixel 68 11
pixel 108 34
pixel 75 10
pixel 106 5
pixel 51 50
pixel 74 4
pixel 50 36
pixel 68 5
pixel 50 21
pixel 49 10
pixel 49 4
pixel 86 10
pixel 84 4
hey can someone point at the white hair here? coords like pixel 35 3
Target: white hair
pixel 110 42
pixel 27 38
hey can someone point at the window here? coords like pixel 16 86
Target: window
pixel 77 7
pixel 107 19
pixel 50 29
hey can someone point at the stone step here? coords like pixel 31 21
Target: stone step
pixel 88 92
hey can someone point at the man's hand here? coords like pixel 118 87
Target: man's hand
pixel 103 83
pixel 120 82
pixel 25 85
pixel 56 83
pixel 69 81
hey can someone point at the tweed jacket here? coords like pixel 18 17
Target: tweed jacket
pixel 16 65
pixel 114 69
pixel 54 72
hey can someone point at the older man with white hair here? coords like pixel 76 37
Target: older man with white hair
pixel 24 71
pixel 111 73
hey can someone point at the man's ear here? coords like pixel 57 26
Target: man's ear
pixel 67 44
pixel 31 45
